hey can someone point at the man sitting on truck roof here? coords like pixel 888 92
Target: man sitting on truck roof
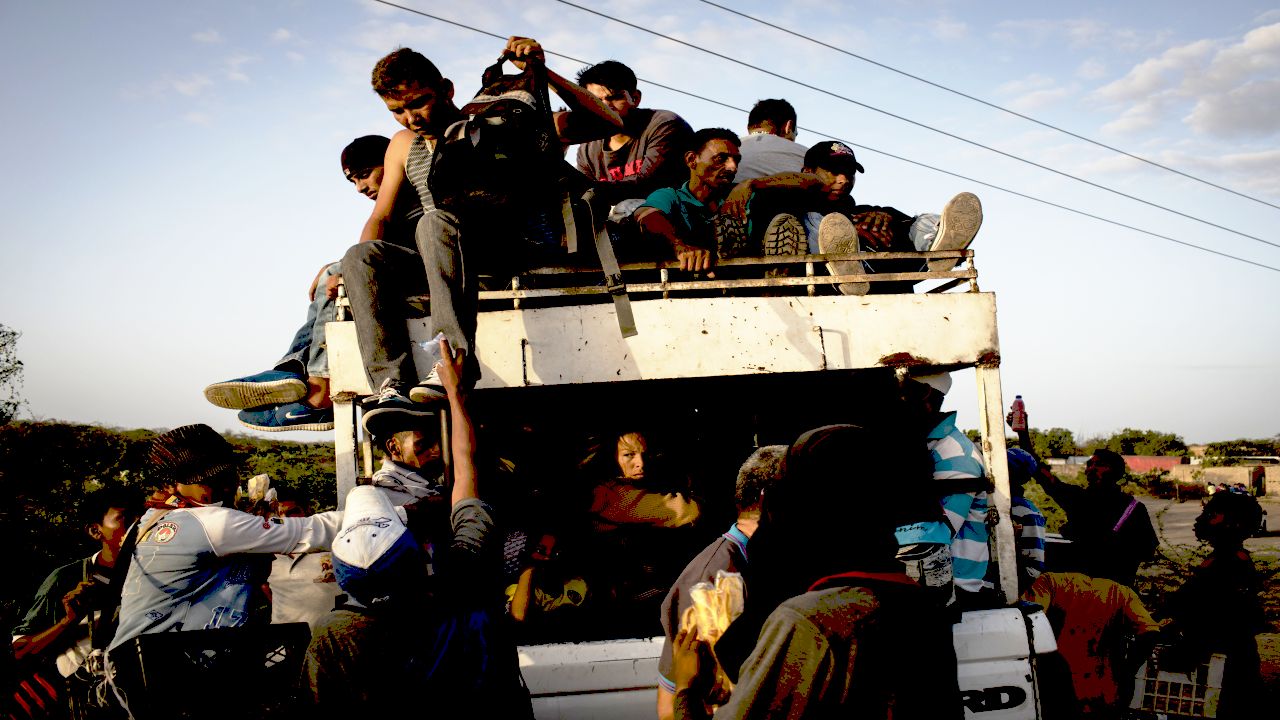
pixel 761 471
pixel 770 146
pixel 641 157
pixel 380 274
pixel 817 204
pixel 294 394
pixel 833 627
pixel 683 219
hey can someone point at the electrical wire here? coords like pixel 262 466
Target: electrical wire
pixel 989 104
pixel 917 123
pixel 821 133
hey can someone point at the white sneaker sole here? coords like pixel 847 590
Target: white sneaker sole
pixel 234 395
pixel 320 427
pixel 425 394
pixel 960 221
pixel 836 234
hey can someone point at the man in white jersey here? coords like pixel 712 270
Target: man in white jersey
pixel 195 564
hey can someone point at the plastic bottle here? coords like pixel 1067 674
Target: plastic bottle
pixel 1019 412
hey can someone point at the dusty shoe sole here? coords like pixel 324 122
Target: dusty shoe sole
pixel 784 236
pixel 236 395
pixel 836 234
pixel 318 426
pixel 960 221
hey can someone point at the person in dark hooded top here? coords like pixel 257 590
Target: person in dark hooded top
pixel 833 627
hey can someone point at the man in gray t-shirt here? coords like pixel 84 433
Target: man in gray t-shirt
pixel 646 154
pixel 770 146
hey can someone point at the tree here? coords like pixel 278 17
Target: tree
pixel 1131 441
pixel 1054 442
pixel 10 375
pixel 1228 452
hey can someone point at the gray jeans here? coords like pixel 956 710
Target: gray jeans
pixel 378 277
pixel 455 257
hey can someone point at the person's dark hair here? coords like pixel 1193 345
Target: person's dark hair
pixel 1242 513
pixel 700 138
pixel 844 490
pixel 611 74
pixel 1111 459
pixel 758 474
pixel 194 454
pixel 402 67
pixel 365 153
pixel 97 504
pixel 774 111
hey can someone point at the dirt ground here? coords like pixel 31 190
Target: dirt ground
pixel 1180 551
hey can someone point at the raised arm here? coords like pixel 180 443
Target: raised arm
pixel 589 118
pixel 462 434
pixel 393 182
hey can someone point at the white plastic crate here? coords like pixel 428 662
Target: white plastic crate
pixel 1177 694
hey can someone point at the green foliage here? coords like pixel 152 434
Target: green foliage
pixel 1053 443
pixel 10 375
pixel 1229 452
pixel 48 469
pixel 1131 441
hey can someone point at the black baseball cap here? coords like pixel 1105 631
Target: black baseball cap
pixel 834 156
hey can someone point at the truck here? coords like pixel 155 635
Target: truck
pixel 753 354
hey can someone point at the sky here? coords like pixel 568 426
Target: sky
pixel 175 182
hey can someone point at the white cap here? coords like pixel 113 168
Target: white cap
pixel 940 382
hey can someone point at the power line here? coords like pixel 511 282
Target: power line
pixel 821 133
pixel 992 105
pixel 917 123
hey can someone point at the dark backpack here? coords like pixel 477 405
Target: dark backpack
pixel 504 160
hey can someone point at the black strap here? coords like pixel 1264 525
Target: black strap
pixel 613 281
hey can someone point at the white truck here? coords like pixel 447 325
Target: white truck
pixel 717 340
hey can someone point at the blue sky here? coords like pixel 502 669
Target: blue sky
pixel 176 185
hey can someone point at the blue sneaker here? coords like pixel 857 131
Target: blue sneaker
pixel 290 416
pixel 273 387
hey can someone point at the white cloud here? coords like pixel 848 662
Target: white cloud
pixel 234 67
pixel 1091 69
pixel 197 118
pixel 1241 112
pixel 948 29
pixel 190 86
pixel 208 37
pixel 1079 33
pixel 281 35
pixel 1222 88
pixel 296 57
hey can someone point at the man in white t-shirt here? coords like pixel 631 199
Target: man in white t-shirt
pixel 770 146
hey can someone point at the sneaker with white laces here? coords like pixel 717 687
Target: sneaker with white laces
pixel 383 407
pixel 960 221
pixel 272 387
pixel 836 234
pixel 429 389
pixel 289 416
